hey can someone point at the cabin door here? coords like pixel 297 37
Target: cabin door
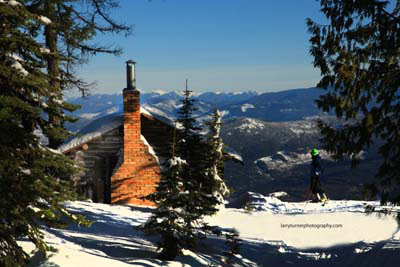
pixel 104 168
pixel 98 185
pixel 110 163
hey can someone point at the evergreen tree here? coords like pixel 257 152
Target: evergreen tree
pixel 215 162
pixel 189 140
pixel 191 149
pixel 359 58
pixel 176 218
pixel 31 186
pixel 190 188
pixel 168 219
pixel 69 28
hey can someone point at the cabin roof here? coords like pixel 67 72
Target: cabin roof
pixel 104 125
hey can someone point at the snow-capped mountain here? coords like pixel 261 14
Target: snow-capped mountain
pixel 290 105
pixel 276 158
pixel 275 153
pixel 166 103
pixel 224 99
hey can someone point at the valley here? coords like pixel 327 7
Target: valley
pixel 272 132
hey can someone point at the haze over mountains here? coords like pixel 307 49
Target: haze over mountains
pixel 273 132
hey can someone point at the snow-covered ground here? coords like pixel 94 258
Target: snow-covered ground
pixel 302 127
pixel 89 115
pixel 251 124
pixel 275 233
pixel 245 107
pixel 282 160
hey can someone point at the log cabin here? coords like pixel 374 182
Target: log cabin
pixel 120 155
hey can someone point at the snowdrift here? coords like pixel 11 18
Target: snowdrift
pixel 274 233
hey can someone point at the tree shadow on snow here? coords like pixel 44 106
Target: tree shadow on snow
pixel 115 237
pixel 270 253
pixel 107 223
pixel 117 248
pixel 111 236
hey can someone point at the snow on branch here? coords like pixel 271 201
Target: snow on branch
pixel 17 64
pixel 176 161
pixel 45 20
pixel 11 2
pixel 45 50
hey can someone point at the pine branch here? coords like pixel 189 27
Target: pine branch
pixel 99 4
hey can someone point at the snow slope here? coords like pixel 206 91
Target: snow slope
pixel 276 233
pixel 283 160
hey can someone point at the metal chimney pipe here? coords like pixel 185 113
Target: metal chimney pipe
pixel 130 75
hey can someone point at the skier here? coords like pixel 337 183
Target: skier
pixel 316 171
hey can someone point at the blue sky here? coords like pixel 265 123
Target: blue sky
pixel 219 45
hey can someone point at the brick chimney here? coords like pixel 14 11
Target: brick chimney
pixel 131 112
pixel 139 172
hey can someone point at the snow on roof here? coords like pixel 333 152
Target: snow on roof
pixel 103 125
pixel 93 130
pixel 158 114
pixel 150 149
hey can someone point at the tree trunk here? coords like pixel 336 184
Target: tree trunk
pixel 171 250
pixel 53 70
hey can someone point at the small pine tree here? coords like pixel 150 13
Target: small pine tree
pixel 168 219
pixel 189 140
pixel 190 188
pixel 216 160
pixel 176 215
pixel 190 148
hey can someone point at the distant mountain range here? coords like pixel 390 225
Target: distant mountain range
pixel 273 132
pixel 290 105
pixel 276 158
pixel 99 105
